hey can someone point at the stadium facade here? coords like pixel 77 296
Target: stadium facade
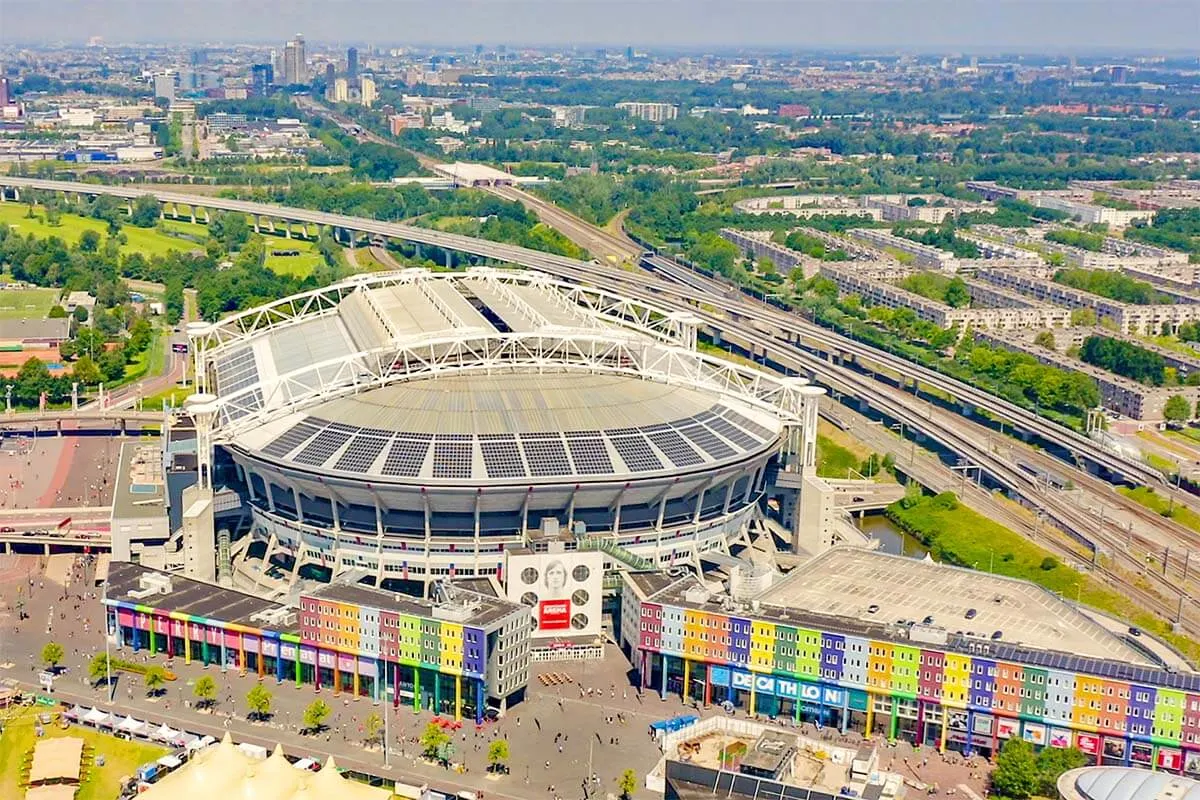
pixel 415 426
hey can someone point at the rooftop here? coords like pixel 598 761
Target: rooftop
pixel 507 426
pixel 1125 783
pixel 486 610
pixel 192 597
pixel 138 490
pixel 876 587
pixel 35 329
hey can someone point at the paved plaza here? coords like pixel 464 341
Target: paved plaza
pixel 58 472
pixel 558 736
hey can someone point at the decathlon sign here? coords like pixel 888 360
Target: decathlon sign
pixel 781 687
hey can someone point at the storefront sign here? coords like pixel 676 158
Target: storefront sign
pixel 1006 728
pixel 1035 733
pixel 1114 748
pixel 1060 737
pixel 780 687
pixel 1087 743
pixel 554 615
pixel 1169 759
pixel 1191 763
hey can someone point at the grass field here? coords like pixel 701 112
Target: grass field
pixel 147 241
pixel 27 303
pixel 960 535
pixel 300 266
pixel 835 461
pixel 155 402
pixel 1161 504
pixel 121 758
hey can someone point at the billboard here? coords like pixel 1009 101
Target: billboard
pixel 563 590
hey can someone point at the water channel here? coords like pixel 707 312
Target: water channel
pixel 891 539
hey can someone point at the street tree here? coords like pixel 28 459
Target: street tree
pixel 98 667
pixel 373 728
pixel 1045 339
pixel 155 677
pixel 1016 774
pixel 205 691
pixel 1177 409
pixel 85 371
pixel 434 740
pixel 497 755
pixel 315 715
pixel 258 700
pixel 145 212
pixel 627 784
pixel 52 654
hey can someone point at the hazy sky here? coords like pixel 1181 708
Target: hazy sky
pixel 1047 25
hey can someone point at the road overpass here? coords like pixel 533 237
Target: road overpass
pixel 91 417
pixel 790 344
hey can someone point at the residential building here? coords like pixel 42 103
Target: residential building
pixel 295 65
pixel 651 112
pixel 368 92
pixel 164 85
pixel 352 63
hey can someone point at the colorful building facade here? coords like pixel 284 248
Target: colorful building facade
pixel 449 666
pixel 922 693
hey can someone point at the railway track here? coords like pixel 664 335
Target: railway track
pixel 1163 595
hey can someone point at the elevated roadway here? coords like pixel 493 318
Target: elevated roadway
pixel 788 342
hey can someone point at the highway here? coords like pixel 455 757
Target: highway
pixel 790 341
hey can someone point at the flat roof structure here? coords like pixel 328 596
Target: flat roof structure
pixel 35 329
pixel 139 491
pixel 466 174
pixel 485 610
pixel 848 582
pixel 196 598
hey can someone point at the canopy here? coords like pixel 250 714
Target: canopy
pixel 109 721
pixel 56 759
pixel 74 712
pixel 165 733
pixel 131 725
pixel 95 716
pixel 185 739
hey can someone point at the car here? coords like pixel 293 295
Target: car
pixel 30 533
pixel 997 635
pixel 8 529
pixel 971 613
pixel 871 609
pixel 857 499
pixel 1135 631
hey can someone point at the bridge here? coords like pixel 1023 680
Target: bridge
pixel 89 417
pixel 864 495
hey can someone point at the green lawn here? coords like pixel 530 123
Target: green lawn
pixel 121 758
pixel 367 262
pixel 1164 465
pixel 144 240
pixel 962 536
pixel 835 461
pixel 155 402
pixel 1160 504
pixel 27 303
pixel 300 266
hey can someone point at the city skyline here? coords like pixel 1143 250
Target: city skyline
pixel 1022 25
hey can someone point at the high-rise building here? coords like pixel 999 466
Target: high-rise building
pixel 330 74
pixel 6 96
pixel 352 63
pixel 199 58
pixel 295 67
pixel 629 54
pixel 651 112
pixel 369 95
pixel 262 77
pixel 164 85
pixel 338 91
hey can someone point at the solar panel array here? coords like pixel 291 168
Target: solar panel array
pixel 407 455
pixel 326 443
pixel 293 437
pixel 364 448
pixel 675 448
pixel 236 371
pixel 684 443
pixel 546 454
pixel 453 455
pixel 501 455
pixel 635 452
pixel 589 453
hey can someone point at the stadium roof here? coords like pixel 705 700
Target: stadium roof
pixel 517 426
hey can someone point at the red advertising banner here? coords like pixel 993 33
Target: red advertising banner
pixel 1087 743
pixel 554 615
pixel 1170 759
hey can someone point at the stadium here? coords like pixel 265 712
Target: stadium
pixel 417 425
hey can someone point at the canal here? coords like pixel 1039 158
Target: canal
pixel 891 539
